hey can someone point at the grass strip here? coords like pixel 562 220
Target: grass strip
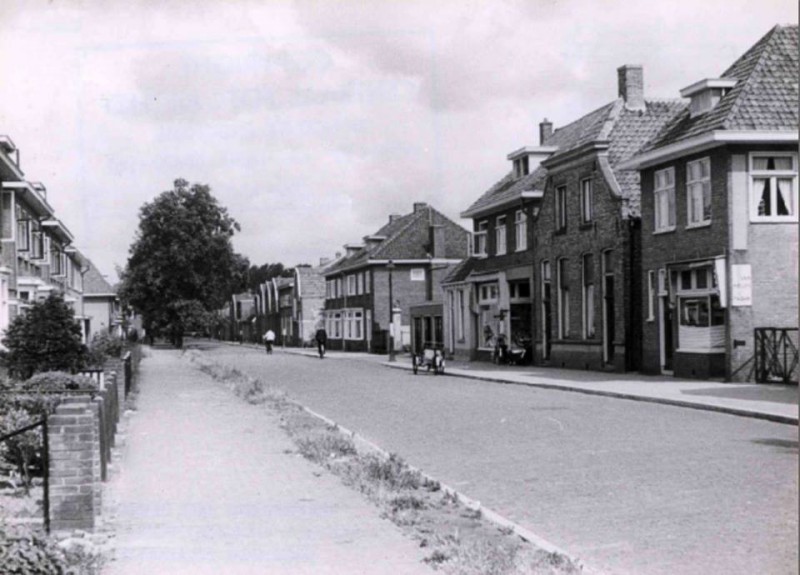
pixel 457 537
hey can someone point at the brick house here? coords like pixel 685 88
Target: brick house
pixel 490 293
pixel 420 246
pixel 586 235
pixel 37 256
pixel 720 217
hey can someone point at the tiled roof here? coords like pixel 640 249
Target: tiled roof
pixel 407 237
pixel 509 188
pixel 460 271
pixel 94 283
pixel 764 98
pixel 625 131
pixel 629 132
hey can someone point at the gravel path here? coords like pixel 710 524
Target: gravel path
pixel 206 486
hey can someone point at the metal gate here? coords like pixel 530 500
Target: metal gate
pixel 776 354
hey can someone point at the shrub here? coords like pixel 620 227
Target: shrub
pixel 24 450
pixel 45 338
pixel 22 550
pixel 57 381
pixel 104 346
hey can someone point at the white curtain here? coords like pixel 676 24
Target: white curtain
pixel 787 195
pixel 758 196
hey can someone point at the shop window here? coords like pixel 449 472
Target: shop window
pixel 701 321
pixel 773 187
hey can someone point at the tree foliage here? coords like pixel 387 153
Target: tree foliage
pixel 182 264
pixel 257 275
pixel 45 338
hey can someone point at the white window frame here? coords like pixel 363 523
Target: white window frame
pixel 561 208
pixel 669 191
pixel 651 295
pixel 488 292
pixel 587 201
pixel 460 315
pixel 366 282
pixel 500 236
pixel 773 176
pixel 693 186
pixel 479 239
pixel 417 274
pixel 521 230
pixel 351 284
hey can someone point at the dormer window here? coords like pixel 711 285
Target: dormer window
pixel 705 94
pixel 521 167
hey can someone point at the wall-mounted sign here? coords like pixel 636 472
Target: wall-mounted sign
pixel 741 285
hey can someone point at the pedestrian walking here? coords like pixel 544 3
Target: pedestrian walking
pixel 322 341
pixel 269 340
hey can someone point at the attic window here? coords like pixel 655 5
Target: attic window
pixel 521 167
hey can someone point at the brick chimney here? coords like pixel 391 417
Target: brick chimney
pixel 393 217
pixel 418 206
pixel 324 261
pixel 436 246
pixel 630 80
pixel 545 131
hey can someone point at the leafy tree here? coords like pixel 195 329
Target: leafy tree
pixel 181 264
pixel 45 338
pixel 257 275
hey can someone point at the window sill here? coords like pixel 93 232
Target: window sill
pixel 501 253
pixel 518 250
pixel 699 225
pixel 775 220
pixel 668 230
pixel 706 351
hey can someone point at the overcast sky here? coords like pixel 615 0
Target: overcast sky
pixel 312 121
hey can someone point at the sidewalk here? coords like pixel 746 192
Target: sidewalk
pixel 210 484
pixel 777 403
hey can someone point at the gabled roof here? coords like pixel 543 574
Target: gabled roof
pixel 407 238
pixel 619 130
pixel 94 284
pixel 765 97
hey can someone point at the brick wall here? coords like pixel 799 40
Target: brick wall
pixel 682 244
pixel 607 231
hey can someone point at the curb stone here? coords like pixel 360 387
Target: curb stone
pixel 775 418
pixel 490 515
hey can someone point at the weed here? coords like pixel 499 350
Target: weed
pixel 403 502
pixel 436 558
pixel 325 445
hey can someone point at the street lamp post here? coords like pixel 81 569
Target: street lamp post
pixel 390 267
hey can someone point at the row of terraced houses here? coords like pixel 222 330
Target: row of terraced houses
pixel 38 256
pixel 657 235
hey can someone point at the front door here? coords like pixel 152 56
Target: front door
pixel 667 338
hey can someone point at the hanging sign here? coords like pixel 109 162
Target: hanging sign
pixel 741 285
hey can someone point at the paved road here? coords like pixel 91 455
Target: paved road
pixel 206 487
pixel 628 487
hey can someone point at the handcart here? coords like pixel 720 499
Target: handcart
pixel 431 357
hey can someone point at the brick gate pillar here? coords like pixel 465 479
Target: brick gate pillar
pixel 75 482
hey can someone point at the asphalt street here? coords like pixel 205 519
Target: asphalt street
pixel 627 487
